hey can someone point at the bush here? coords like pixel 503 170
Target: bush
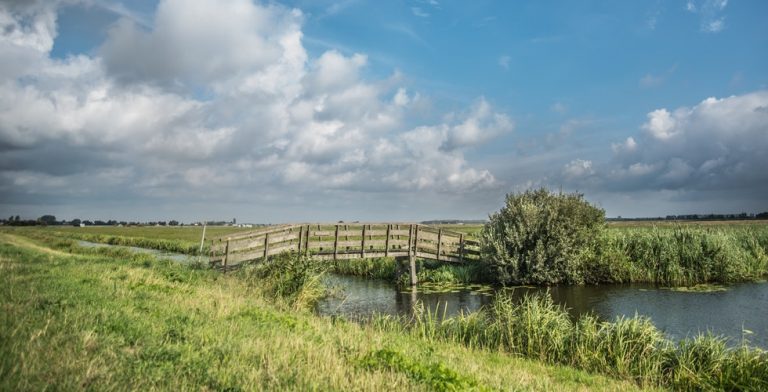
pixel 541 237
pixel 293 278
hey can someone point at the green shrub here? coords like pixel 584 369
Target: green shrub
pixel 293 278
pixel 539 236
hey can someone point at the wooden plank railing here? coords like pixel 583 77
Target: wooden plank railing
pixel 345 241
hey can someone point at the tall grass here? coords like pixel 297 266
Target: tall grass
pixel 627 348
pixel 375 268
pixel 678 256
pixel 295 279
pixel 93 321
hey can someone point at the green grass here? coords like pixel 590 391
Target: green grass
pixel 627 348
pixel 105 319
pixel 177 239
pixel 678 255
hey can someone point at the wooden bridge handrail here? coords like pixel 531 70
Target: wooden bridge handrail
pixel 344 241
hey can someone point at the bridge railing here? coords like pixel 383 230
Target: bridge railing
pixel 345 241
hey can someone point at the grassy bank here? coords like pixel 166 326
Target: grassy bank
pixel 627 348
pixel 108 319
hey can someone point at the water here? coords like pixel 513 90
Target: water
pixel 178 257
pixel 739 312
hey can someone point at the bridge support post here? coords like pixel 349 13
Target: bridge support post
pixel 412 254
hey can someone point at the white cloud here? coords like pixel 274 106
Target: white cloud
pixel 629 146
pixel 715 26
pixel 480 125
pixel 578 168
pixel 716 144
pixel 270 116
pixel 710 14
pixel 662 124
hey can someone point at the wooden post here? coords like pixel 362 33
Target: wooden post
pixel 362 245
pixel 336 243
pixel 226 256
pixel 412 257
pixel 266 247
pixel 346 236
pixel 461 247
pixel 410 238
pixel 416 240
pixel 202 240
pixel 439 239
pixel 301 238
pixel 386 243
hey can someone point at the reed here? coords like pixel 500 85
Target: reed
pixel 626 348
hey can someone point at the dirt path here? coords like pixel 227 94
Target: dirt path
pixel 22 242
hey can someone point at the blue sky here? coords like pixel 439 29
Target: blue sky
pixel 385 110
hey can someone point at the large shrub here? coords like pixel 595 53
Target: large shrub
pixel 541 237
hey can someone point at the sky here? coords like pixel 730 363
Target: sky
pixel 403 110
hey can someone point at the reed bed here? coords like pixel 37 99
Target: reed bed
pixel 626 348
pixel 677 256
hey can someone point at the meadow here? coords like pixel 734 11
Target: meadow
pixel 670 254
pixel 107 319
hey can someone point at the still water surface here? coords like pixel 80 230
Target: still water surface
pixel 739 312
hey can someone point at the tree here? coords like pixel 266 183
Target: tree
pixel 538 235
pixel 75 222
pixel 47 220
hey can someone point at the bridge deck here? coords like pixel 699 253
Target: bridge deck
pixel 344 242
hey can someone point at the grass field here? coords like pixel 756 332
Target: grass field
pixel 106 319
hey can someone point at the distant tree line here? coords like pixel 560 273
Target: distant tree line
pixel 50 220
pixel 702 217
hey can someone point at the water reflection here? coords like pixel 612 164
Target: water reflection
pixel 743 307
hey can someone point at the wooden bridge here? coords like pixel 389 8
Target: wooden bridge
pixel 345 241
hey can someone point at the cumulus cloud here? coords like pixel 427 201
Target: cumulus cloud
pixel 480 125
pixel 235 103
pixel 717 144
pixel 578 168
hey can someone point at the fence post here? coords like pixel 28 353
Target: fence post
pixel 461 248
pixel 362 245
pixel 226 256
pixel 412 257
pixel 386 242
pixel 336 243
pixel 439 239
pixel 266 247
pixel 301 238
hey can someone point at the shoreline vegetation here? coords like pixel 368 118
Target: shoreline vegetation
pixel 108 318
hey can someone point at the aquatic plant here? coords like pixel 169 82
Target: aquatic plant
pixel 628 348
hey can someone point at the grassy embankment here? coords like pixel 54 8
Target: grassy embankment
pixel 109 319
